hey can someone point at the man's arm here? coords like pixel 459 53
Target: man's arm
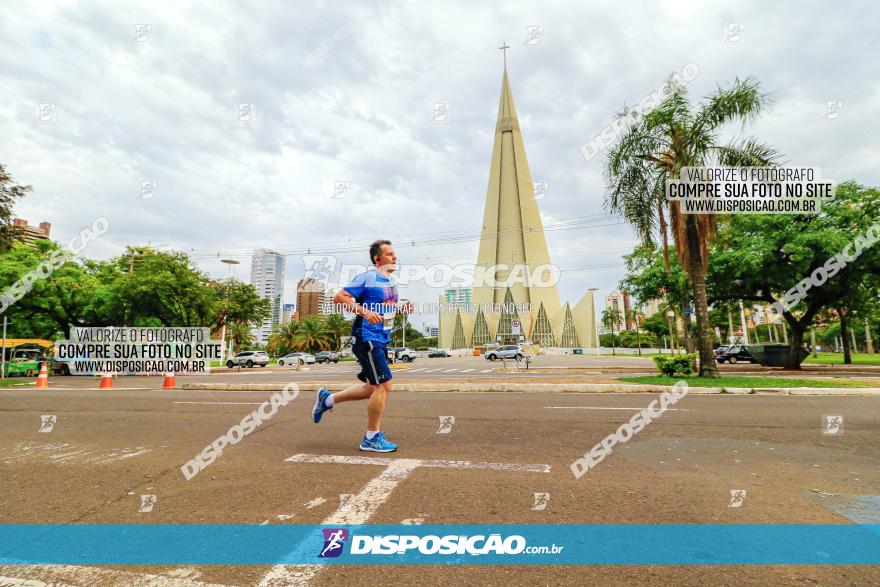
pixel 347 301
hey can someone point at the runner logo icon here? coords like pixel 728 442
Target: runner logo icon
pixel 334 541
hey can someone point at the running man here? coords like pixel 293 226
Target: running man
pixel 372 296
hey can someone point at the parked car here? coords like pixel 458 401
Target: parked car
pixel 508 351
pixel 249 359
pixel 403 354
pixel 438 353
pixel 327 357
pixel 294 358
pixel 734 354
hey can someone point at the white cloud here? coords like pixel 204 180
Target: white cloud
pixel 164 110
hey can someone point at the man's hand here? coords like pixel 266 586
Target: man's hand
pixel 371 317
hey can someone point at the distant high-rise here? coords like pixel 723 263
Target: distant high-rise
pixel 618 301
pixel 458 296
pixel 312 298
pixel 28 234
pixel 267 275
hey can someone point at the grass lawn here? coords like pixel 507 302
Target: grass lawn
pixel 743 381
pixel 16 382
pixel 837 359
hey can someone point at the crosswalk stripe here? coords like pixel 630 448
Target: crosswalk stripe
pixel 467 370
pixel 450 370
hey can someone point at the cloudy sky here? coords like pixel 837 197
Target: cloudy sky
pixel 345 92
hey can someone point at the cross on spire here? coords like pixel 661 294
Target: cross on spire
pixel 504 47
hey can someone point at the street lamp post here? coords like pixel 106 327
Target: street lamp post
pixel 231 263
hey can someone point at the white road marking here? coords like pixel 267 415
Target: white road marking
pixel 364 504
pixel 64 452
pixel 433 370
pixel 467 370
pixel 416 370
pixel 224 403
pixel 449 370
pixel 359 460
pixel 486 370
pixel 604 408
pixel 315 503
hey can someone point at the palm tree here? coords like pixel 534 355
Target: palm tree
pixel 312 335
pixel 635 315
pixel 240 335
pixel 654 148
pixel 611 318
pixel 338 327
pixel 283 338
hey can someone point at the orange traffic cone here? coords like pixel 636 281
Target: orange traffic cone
pixel 43 378
pixel 169 383
pixel 106 381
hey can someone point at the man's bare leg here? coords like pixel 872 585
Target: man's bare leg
pixel 354 392
pixel 376 405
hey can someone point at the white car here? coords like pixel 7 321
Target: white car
pixel 249 359
pixel 294 358
pixel 508 351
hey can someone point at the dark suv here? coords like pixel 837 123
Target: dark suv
pixel 734 354
pixel 326 357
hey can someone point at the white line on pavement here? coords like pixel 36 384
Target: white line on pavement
pixel 362 506
pixel 467 370
pixel 224 403
pixel 603 408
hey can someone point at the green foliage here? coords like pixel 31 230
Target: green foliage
pixel 677 364
pixel 9 193
pixel 142 287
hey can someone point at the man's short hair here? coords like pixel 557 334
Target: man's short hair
pixel 376 249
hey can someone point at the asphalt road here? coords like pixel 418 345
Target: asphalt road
pixel 552 367
pixel 106 449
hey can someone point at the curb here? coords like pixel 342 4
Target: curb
pixel 546 388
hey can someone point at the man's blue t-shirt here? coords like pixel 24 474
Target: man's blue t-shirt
pixel 378 294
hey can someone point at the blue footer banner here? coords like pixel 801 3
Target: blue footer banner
pixel 513 544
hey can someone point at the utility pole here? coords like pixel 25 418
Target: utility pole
pixel 231 263
pixel 742 318
pixel 729 325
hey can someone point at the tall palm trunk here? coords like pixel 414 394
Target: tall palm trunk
pixel 697 275
pixel 664 238
pixel 844 327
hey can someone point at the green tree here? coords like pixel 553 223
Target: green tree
pixel 761 257
pixel 9 193
pixel 653 149
pixel 240 335
pixel 69 296
pixel 313 335
pixel 282 340
pixel 337 327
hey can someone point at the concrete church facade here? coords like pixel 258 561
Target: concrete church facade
pixel 513 255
